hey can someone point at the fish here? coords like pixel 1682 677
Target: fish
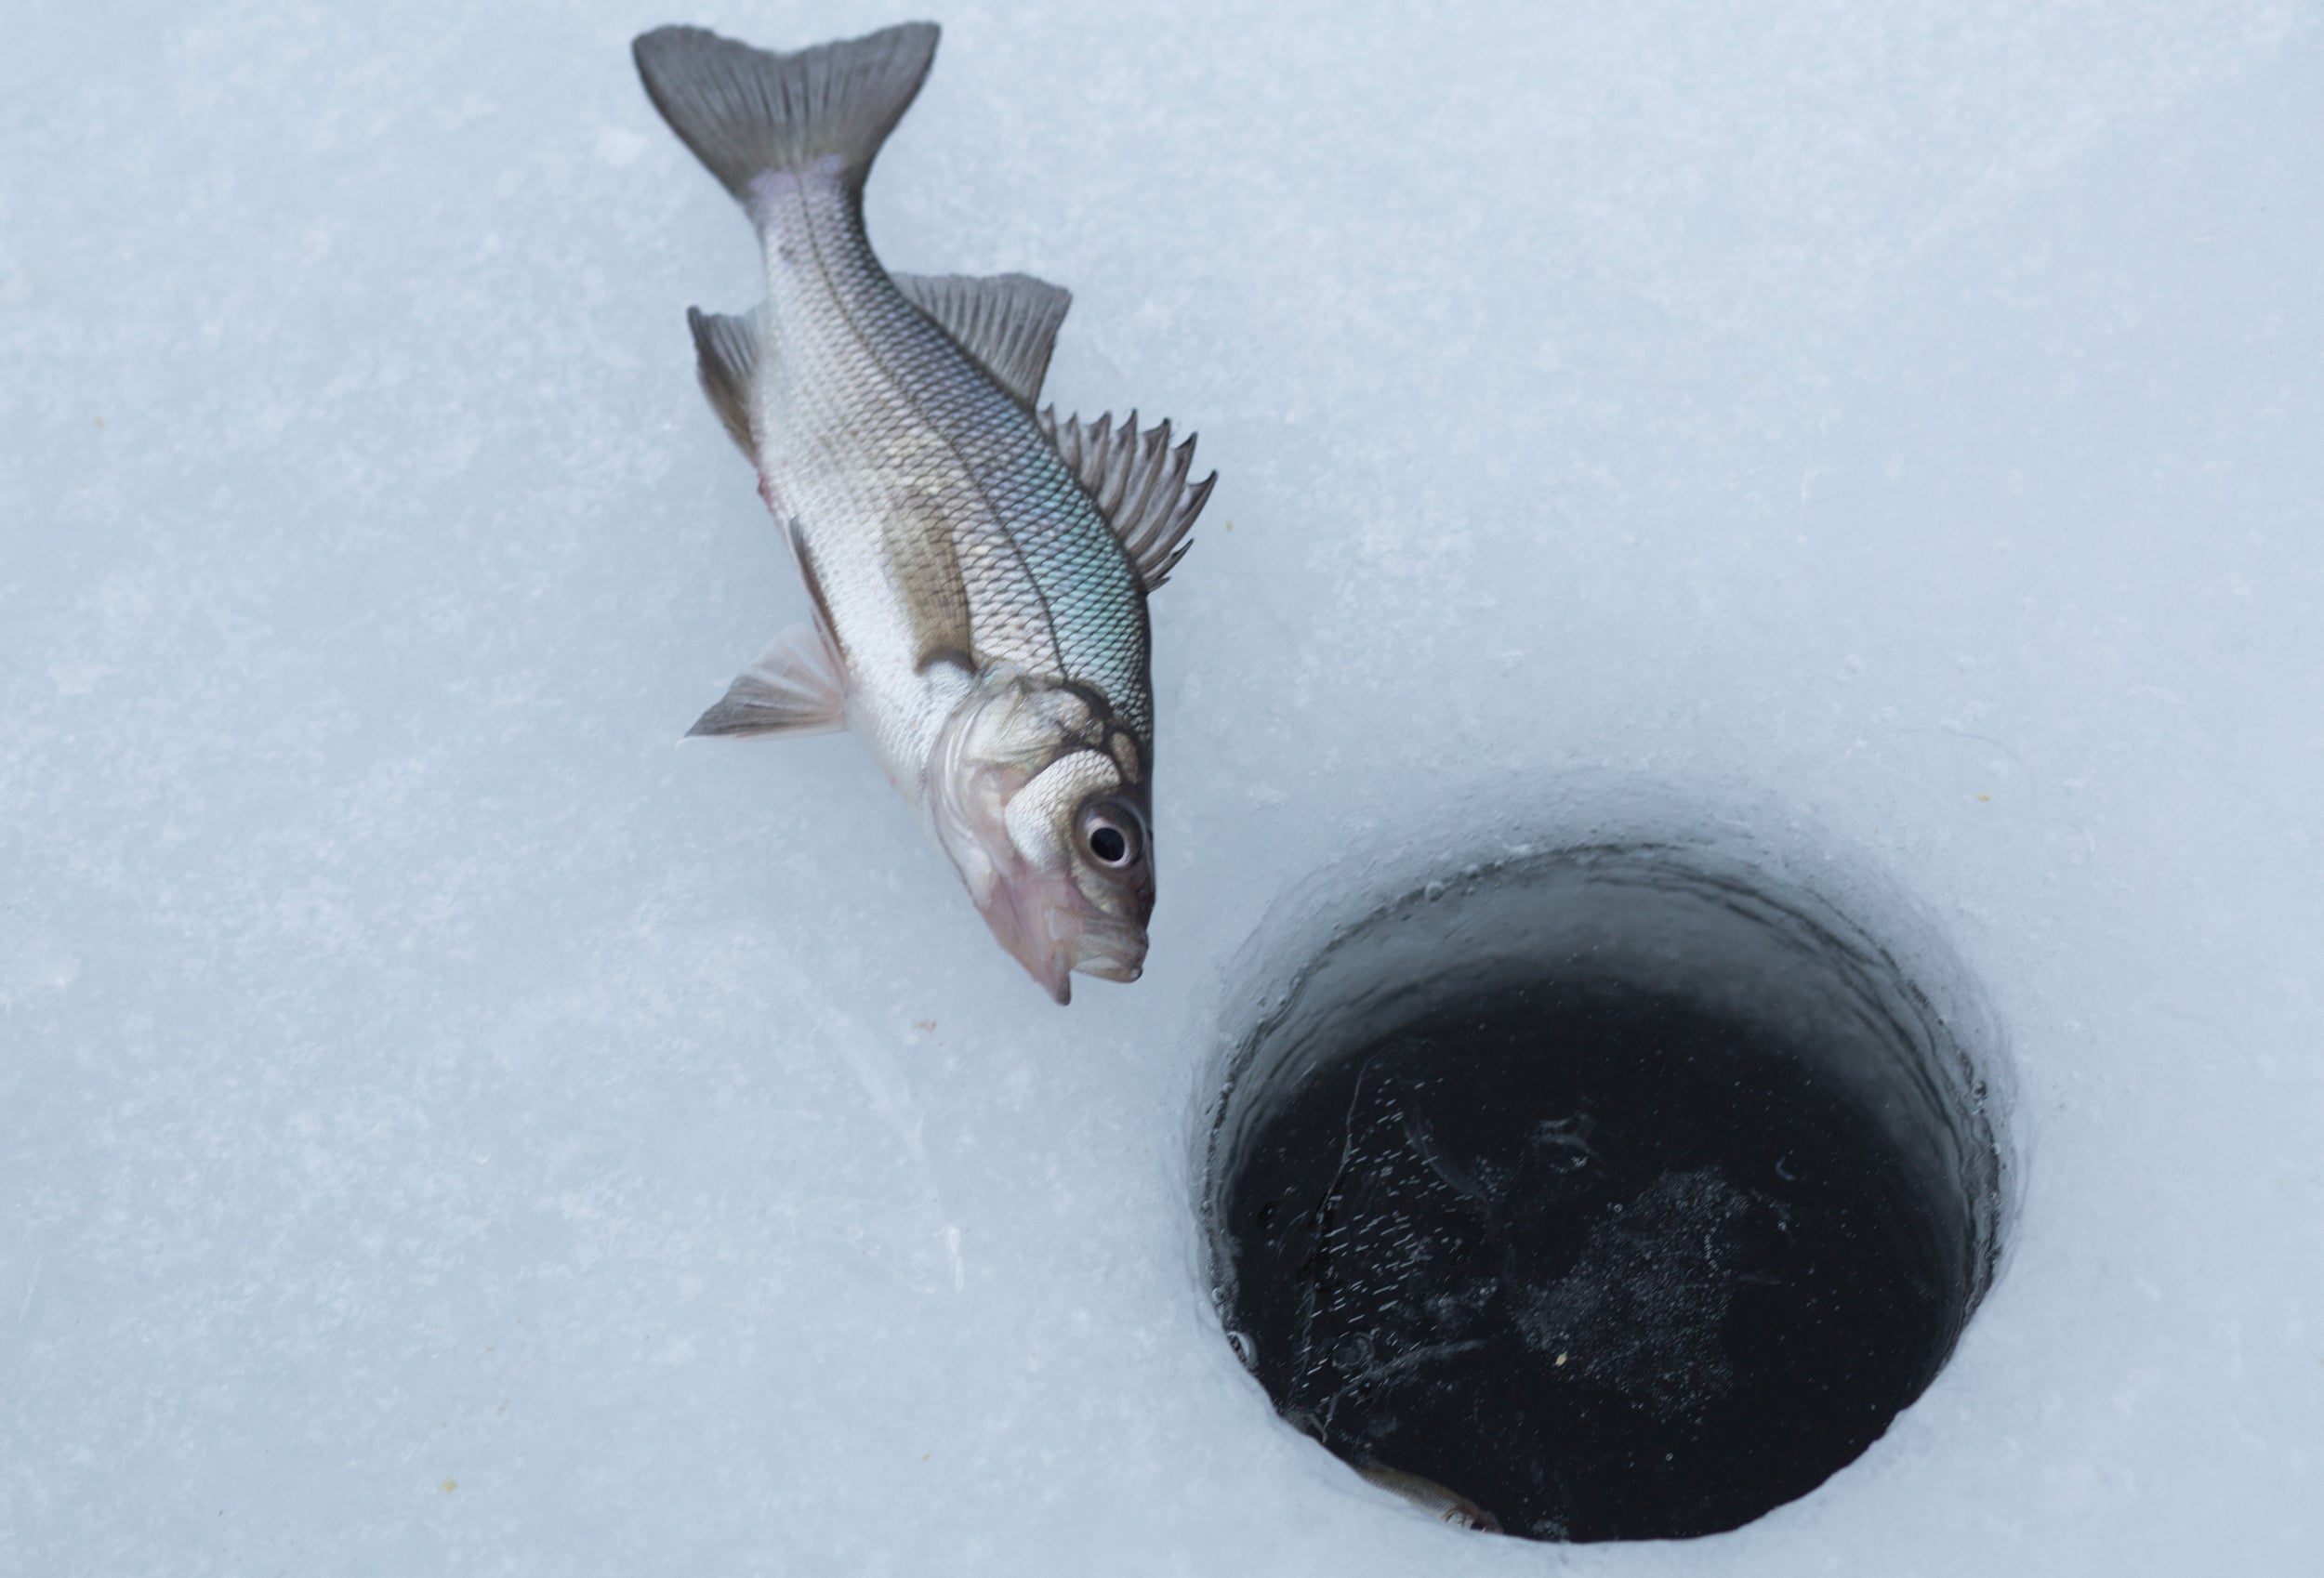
pixel 977 568
pixel 1440 1501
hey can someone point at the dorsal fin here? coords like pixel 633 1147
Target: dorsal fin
pixel 1008 322
pixel 1138 483
pixel 726 354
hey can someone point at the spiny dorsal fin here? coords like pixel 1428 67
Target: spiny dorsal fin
pixel 1008 322
pixel 745 110
pixel 798 686
pixel 726 354
pixel 1138 483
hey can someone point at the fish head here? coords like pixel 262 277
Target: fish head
pixel 1041 800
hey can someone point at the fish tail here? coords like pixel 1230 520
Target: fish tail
pixel 744 112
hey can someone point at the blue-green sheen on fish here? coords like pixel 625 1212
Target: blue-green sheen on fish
pixel 978 571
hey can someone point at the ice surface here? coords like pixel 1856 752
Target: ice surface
pixel 452 1127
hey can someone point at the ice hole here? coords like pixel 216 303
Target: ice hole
pixel 1620 1192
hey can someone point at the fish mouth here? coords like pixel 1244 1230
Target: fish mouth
pixel 1026 893
pixel 1056 936
pixel 1046 922
pixel 1110 951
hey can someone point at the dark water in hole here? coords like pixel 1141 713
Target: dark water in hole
pixel 1608 1266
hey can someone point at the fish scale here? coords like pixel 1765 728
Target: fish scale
pixel 901 425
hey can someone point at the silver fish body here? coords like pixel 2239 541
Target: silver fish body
pixel 1440 1501
pixel 979 571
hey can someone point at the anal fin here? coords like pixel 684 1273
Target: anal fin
pixel 726 359
pixel 1007 322
pixel 798 686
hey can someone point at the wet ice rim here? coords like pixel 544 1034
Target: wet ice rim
pixel 1890 1028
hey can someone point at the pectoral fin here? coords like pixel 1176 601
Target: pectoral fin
pixel 798 686
pixel 924 568
pixel 1008 322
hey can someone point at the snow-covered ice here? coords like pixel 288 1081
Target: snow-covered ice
pixel 449 1125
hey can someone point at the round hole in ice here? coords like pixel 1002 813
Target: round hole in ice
pixel 1618 1192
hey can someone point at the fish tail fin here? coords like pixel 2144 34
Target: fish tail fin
pixel 745 110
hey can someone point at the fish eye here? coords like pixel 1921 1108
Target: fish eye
pixel 1109 831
